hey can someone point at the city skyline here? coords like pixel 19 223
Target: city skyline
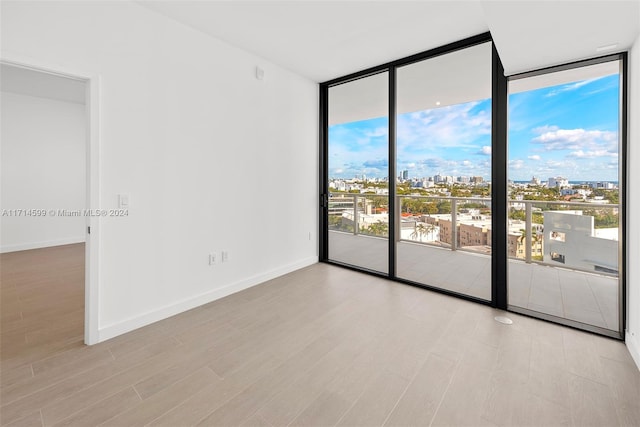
pixel 568 130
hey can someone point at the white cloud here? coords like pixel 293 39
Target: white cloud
pixel 545 129
pixel 592 154
pixel 486 150
pixel 516 164
pixel 452 126
pixel 572 86
pixel 534 157
pixel 552 138
pixel 377 132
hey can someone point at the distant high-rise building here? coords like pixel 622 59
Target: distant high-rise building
pixel 603 185
pixel 404 175
pixel 535 181
pixel 557 182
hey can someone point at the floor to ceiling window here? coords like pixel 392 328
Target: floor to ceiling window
pixel 358 173
pixel 565 186
pixel 439 172
pixel 443 145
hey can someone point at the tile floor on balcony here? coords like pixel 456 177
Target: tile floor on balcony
pixel 579 296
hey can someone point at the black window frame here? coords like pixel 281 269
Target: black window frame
pixel 622 57
pixel 499 184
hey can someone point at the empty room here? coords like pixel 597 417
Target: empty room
pixel 319 213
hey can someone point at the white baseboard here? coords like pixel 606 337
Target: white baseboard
pixel 43 244
pixel 187 304
pixel 633 344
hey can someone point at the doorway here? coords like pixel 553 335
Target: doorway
pixel 49 187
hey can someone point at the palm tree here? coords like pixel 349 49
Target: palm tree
pixel 421 229
pixel 535 237
pixel 523 235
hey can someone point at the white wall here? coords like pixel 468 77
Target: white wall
pixel 633 206
pixel 43 167
pixel 212 158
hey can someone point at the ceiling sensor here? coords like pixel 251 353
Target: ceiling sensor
pixel 607 47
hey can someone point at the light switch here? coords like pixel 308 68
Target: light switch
pixel 123 201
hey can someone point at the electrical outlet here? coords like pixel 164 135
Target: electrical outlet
pixel 212 259
pixel 225 256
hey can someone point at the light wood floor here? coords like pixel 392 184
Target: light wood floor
pixel 320 346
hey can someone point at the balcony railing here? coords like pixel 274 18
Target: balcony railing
pixel 359 214
pixel 577 235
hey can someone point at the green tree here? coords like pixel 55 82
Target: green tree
pixel 537 218
pixel 603 218
pixel 473 205
pixel 335 221
pixel 431 208
pixel 377 229
pixel 517 214
pixel 444 207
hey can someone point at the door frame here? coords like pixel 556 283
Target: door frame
pixel 92 231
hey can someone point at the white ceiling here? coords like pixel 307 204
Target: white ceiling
pixel 450 79
pixel 564 77
pixel 454 78
pixel 536 34
pixel 25 81
pixel 322 40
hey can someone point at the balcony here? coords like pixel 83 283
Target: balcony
pixel 568 270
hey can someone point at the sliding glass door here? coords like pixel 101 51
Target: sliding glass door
pixel 565 189
pixel 444 172
pixel 358 173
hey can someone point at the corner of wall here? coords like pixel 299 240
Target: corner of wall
pixel 633 345
pixel 148 318
pixel 632 333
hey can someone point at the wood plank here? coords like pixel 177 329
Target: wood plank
pixel 103 410
pixel 419 403
pixel 320 346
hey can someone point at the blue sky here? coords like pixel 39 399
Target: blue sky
pixel 568 130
